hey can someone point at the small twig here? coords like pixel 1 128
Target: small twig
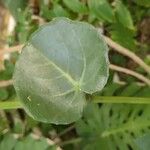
pixel 72 141
pixel 40 19
pixel 130 72
pixel 127 53
pixel 11 49
pixel 5 83
pixel 65 131
pixel 38 136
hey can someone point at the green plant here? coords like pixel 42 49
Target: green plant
pixel 120 119
pixel 12 142
pixel 113 126
pixel 62 62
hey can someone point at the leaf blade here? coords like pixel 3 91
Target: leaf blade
pixel 60 68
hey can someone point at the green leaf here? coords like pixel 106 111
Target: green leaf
pixel 31 143
pixel 101 9
pixel 9 142
pixel 145 3
pixel 76 6
pixel 15 7
pixel 144 92
pixel 3 94
pixel 143 142
pixel 123 15
pixel 123 36
pixel 56 11
pixel 62 61
pixel 110 89
pixel 9 69
pixel 112 126
pixel 59 11
pixel 130 90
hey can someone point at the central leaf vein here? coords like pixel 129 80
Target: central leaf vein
pixel 74 83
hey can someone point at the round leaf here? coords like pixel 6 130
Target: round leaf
pixel 62 61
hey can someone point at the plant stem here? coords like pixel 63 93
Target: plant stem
pixel 10 105
pixel 14 104
pixel 5 83
pixel 127 53
pixel 130 72
pixel 72 141
pixel 116 99
pixel 11 49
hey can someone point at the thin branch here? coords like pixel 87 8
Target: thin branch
pixel 72 141
pixel 40 19
pixel 11 49
pixel 130 72
pixel 5 83
pixel 127 53
pixel 38 134
pixel 65 131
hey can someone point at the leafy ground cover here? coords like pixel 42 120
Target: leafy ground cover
pixel 121 119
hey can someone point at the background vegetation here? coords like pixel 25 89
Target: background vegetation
pixel 104 126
